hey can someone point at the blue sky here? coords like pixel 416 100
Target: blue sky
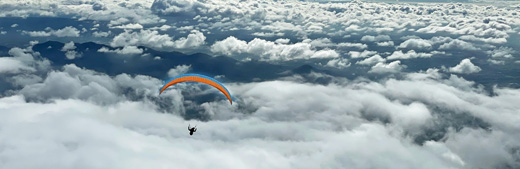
pixel 315 85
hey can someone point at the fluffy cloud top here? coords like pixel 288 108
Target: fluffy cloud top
pixel 68 31
pixel 269 51
pixel 178 70
pixel 417 44
pixel 152 38
pixel 465 67
pixel 392 67
pixel 92 113
pixel 127 50
pixel 408 55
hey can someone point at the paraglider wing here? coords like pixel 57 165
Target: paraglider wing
pixel 198 78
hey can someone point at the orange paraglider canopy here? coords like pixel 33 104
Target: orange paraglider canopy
pixel 198 78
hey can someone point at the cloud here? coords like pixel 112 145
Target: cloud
pixel 129 26
pixel 127 50
pixel 72 54
pixel 502 52
pixel 152 38
pixel 382 120
pixel 178 70
pixel 417 44
pixel 392 67
pixel 101 34
pixel 338 63
pixel 148 38
pixel 378 38
pixel 194 40
pixel 408 55
pixel 456 45
pixel 68 31
pixel 465 67
pixel 359 46
pixel 371 60
pixel 388 43
pixel 12 65
pixel 23 61
pixel 171 7
pixel 92 113
pixel 269 51
pixel 68 46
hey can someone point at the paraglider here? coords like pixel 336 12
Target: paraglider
pixel 198 78
pixel 192 130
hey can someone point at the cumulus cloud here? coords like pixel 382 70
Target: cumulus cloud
pixel 193 40
pixel 152 38
pixel 129 26
pixel 392 67
pixel 338 63
pixel 378 38
pixel 23 60
pixel 127 50
pixel 417 44
pixel 502 52
pixel 68 31
pixel 101 34
pixel 68 46
pixel 364 54
pixel 465 67
pixel 408 55
pixel 359 114
pixel 269 51
pixel 371 60
pixel 457 45
pixel 12 65
pixel 178 70
pixel 429 116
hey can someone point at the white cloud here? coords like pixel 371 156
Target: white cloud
pixel 129 26
pixel 387 43
pixel 283 124
pixel 457 45
pixel 400 109
pixel 408 55
pixel 68 31
pixel 127 50
pixel 101 34
pixel 12 65
pixel 282 41
pixel 371 60
pixel 417 44
pixel 178 70
pixel 194 40
pixel 502 52
pixel 68 46
pixel 153 39
pixel 270 51
pixel 392 67
pixel 465 67
pixel 71 54
pixel 338 63
pixel 359 46
pixel 364 54
pixel 378 38
pixel 144 37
